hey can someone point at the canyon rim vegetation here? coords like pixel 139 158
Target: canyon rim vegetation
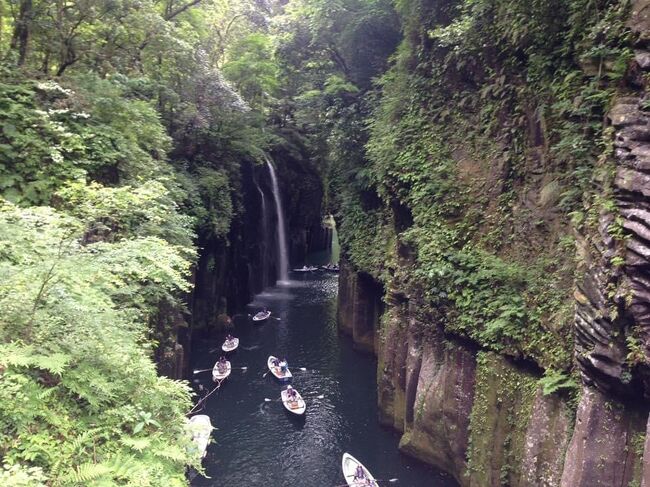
pixel 487 164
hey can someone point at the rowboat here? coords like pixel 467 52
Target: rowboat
pixel 217 375
pixel 276 371
pixel 330 268
pixel 349 466
pixel 296 406
pixel 261 316
pixel 229 346
pixel 201 428
pixel 305 269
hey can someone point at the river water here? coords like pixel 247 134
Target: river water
pixel 260 444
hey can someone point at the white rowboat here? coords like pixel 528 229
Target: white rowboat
pixel 276 371
pixel 217 375
pixel 201 428
pixel 229 346
pixel 261 316
pixel 349 466
pixel 296 407
pixel 306 269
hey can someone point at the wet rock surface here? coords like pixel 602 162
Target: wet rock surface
pixel 360 306
pixel 602 450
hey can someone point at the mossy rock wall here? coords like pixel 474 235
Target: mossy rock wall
pixel 518 437
pixel 471 413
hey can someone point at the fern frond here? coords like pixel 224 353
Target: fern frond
pixel 87 472
pixel 138 444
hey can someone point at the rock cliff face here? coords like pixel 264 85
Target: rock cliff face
pixel 483 418
pixel 232 269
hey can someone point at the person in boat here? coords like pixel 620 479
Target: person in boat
pixel 222 365
pixel 359 474
pixel 230 339
pixel 275 362
pixel 291 394
pixel 283 365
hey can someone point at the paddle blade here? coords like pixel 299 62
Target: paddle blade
pixel 266 399
pixel 320 397
pixel 303 369
pixel 393 480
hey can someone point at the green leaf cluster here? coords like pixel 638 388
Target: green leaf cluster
pixel 80 400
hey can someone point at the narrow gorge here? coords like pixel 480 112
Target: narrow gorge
pixel 478 169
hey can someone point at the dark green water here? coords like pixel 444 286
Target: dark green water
pixel 260 444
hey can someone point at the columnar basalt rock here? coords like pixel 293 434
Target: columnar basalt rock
pixel 427 389
pixel 547 437
pixel 360 306
pixel 613 297
pixel 645 473
pixel 391 374
pixel 602 451
pixel 437 419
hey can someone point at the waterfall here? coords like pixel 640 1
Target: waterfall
pixel 264 247
pixel 283 252
pixel 331 239
pixel 335 247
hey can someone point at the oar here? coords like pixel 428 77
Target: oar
pixel 266 399
pixel 205 370
pixel 303 369
pixel 204 398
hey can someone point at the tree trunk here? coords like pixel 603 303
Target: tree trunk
pixel 20 39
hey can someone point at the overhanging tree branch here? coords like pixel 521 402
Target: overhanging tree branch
pixel 181 9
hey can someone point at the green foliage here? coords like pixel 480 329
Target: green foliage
pixel 21 476
pixel 113 213
pixel 368 238
pixel 474 85
pixel 502 407
pixel 216 212
pixel 252 69
pixel 78 386
pixel 554 381
pixel 52 135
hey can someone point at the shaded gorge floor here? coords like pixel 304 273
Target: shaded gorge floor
pixel 257 443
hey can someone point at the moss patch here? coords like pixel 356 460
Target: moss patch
pixel 503 403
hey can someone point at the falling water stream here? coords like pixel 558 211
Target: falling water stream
pixel 283 250
pixel 264 246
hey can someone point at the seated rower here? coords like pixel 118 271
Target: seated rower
pixel 222 365
pixel 283 366
pixel 291 393
pixel 275 362
pixel 359 474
